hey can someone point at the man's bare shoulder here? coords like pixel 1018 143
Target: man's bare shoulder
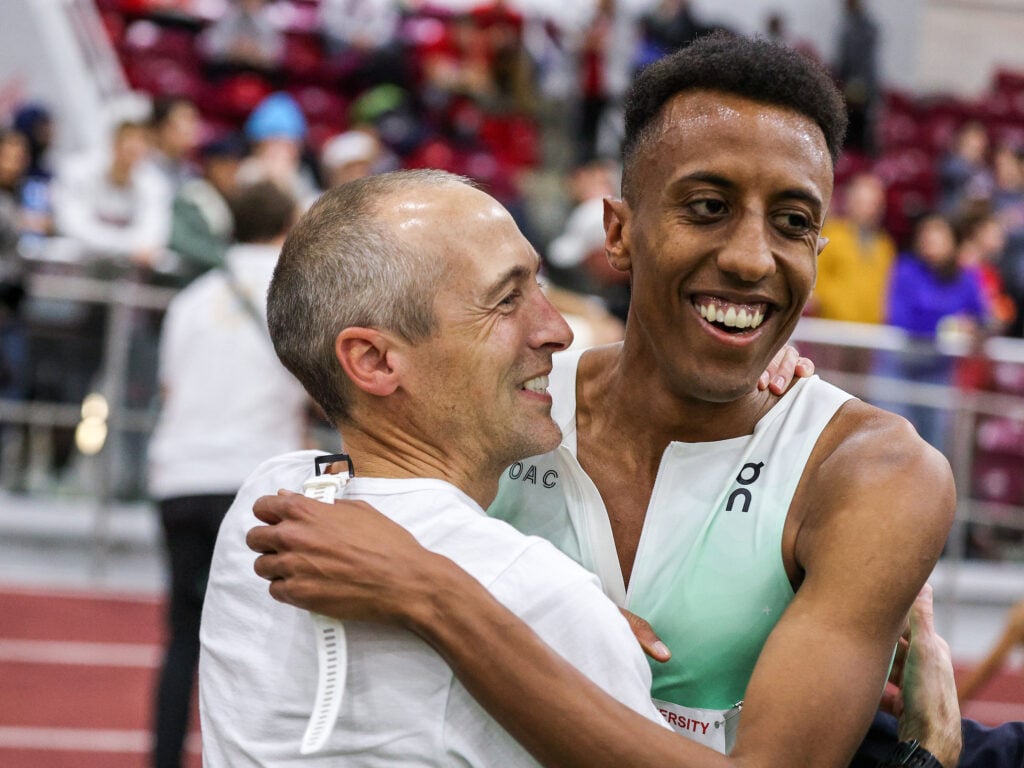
pixel 872 471
pixel 863 441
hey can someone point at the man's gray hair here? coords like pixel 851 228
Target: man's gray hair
pixel 343 265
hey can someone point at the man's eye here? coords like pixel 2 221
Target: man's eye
pixel 708 207
pixel 793 223
pixel 510 299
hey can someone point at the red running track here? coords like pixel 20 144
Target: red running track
pixel 76 678
pixel 77 672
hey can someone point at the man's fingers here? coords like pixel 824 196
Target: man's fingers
pixel 899 661
pixel 782 369
pixel 268 567
pixel 262 539
pixel 273 509
pixel 922 613
pixel 804 367
pixel 647 638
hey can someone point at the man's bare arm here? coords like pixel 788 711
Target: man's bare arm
pixel 873 511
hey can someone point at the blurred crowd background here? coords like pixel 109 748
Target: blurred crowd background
pixel 100 228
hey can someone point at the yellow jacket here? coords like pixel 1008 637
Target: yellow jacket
pixel 853 275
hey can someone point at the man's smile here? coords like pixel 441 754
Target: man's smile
pixel 732 317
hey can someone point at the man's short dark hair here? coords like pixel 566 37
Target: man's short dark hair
pixel 752 68
pixel 263 212
pixel 164 107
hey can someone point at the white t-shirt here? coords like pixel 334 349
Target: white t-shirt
pixel 229 404
pixel 402 704
pixel 107 219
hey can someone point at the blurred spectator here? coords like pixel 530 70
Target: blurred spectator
pixel 667 27
pixel 350 156
pixel 512 70
pixel 175 127
pixel 26 198
pixel 363 36
pixel 931 294
pixel 610 43
pixel 459 65
pixel 854 268
pixel 36 124
pixel 578 252
pixel 201 220
pixel 244 37
pixel 115 205
pixel 13 341
pixel 1012 637
pixel 982 242
pixel 1008 204
pixel 227 405
pixel 776 30
pixel 963 173
pixel 277 131
pixel 857 70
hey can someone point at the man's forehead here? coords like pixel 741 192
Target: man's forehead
pixel 710 131
pixel 700 108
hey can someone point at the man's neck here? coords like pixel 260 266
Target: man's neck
pixel 617 390
pixel 120 174
pixel 388 452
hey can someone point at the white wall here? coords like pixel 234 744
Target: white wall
pixel 963 41
pixel 817 22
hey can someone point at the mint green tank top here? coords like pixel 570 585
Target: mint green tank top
pixel 709 573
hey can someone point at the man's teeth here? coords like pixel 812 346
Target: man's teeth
pixel 731 316
pixel 539 384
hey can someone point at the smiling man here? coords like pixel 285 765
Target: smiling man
pixel 774 542
pixel 408 306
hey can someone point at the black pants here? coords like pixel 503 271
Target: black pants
pixel 190 526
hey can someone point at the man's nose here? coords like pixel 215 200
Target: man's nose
pixel 550 329
pixel 748 252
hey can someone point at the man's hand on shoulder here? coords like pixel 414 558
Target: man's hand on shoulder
pixel 786 366
pixel 344 560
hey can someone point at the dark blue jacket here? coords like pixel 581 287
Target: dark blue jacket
pixel 999 747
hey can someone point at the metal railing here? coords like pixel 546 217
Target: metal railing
pixel 121 297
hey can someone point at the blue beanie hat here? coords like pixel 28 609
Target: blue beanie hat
pixel 277 116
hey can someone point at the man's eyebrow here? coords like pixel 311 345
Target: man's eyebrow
pixel 801 194
pixel 793 193
pixel 516 274
pixel 707 177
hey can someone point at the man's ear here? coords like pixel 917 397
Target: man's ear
pixel 617 233
pixel 822 242
pixel 367 358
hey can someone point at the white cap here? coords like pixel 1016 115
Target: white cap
pixel 348 147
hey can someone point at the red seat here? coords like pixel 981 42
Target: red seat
pixel 162 76
pixel 303 59
pixel 235 97
pixel 999 479
pixel 897 130
pixel 321 104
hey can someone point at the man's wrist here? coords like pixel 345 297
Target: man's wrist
pixel 910 754
pixel 428 613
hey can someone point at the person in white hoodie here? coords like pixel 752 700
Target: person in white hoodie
pixel 227 405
